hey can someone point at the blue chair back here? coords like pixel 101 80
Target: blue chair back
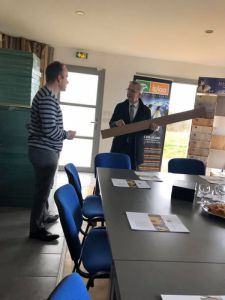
pixel 74 179
pixel 70 217
pixel 186 166
pixel 70 288
pixel 112 160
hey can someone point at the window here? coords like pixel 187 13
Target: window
pixel 182 98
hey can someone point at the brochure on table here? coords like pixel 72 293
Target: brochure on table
pixel 130 183
pixel 153 222
pixel 149 176
pixel 187 297
pixel 214 179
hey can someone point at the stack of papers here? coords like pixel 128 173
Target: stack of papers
pixel 151 222
pixel 214 179
pixel 148 176
pixel 130 183
pixel 186 297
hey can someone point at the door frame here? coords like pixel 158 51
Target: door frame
pixel 98 110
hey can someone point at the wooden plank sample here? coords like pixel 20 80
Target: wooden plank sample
pixel 202 122
pixel 202 158
pixel 198 151
pixel 216 159
pixel 143 125
pixel 201 129
pixel 208 101
pixel 199 144
pixel 220 107
pixel 200 137
pixel 218 142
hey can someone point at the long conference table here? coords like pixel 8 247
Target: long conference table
pixel 148 264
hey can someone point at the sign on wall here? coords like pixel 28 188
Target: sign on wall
pixel 156 96
pixel 211 85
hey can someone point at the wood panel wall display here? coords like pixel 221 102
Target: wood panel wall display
pixel 207 137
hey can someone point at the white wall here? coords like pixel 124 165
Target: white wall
pixel 121 69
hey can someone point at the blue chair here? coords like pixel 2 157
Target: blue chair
pixel 70 288
pixel 91 206
pixel 111 160
pixel 186 166
pixel 94 253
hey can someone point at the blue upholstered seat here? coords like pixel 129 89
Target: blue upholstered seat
pixel 91 206
pixel 70 288
pixel 111 160
pixel 186 166
pixel 94 253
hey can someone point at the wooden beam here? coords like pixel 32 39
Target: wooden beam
pixel 199 112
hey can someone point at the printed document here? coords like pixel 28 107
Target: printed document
pixel 151 222
pixel 187 297
pixel 148 176
pixel 130 183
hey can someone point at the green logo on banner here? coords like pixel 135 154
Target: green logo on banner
pixel 145 85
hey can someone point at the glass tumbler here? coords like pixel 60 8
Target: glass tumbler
pixel 203 190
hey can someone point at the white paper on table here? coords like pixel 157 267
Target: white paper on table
pixel 190 297
pixel 130 183
pixel 153 222
pixel 148 176
pixel 120 182
pixel 214 179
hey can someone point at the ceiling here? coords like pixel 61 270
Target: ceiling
pixel 168 30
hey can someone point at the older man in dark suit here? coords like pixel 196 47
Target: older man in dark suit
pixel 129 111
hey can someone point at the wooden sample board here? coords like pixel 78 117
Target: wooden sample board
pixel 199 112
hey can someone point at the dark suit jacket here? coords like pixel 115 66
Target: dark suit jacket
pixel 133 143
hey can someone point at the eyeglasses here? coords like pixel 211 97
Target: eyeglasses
pixel 132 90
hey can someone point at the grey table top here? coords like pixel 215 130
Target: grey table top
pixel 204 243
pixel 147 280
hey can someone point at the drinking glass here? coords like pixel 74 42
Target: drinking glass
pixel 203 191
pixel 220 191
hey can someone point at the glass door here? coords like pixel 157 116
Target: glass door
pixel 81 106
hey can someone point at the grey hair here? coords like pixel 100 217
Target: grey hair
pixel 138 85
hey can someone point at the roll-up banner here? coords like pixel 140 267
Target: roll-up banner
pixel 156 95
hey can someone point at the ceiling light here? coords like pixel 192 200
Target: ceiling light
pixel 80 13
pixel 209 31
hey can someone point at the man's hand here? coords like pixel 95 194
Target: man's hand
pixel 119 123
pixel 153 126
pixel 71 134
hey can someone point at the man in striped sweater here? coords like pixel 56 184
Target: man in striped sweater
pixel 45 141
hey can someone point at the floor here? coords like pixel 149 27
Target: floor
pixel 30 269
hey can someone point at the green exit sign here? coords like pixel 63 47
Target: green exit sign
pixel 81 55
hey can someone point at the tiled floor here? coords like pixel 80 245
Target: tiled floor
pixel 29 269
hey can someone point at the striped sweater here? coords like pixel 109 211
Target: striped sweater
pixel 46 123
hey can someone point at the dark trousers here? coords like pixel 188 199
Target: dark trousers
pixel 45 164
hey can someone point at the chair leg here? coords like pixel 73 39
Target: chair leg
pixel 74 269
pixel 90 283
